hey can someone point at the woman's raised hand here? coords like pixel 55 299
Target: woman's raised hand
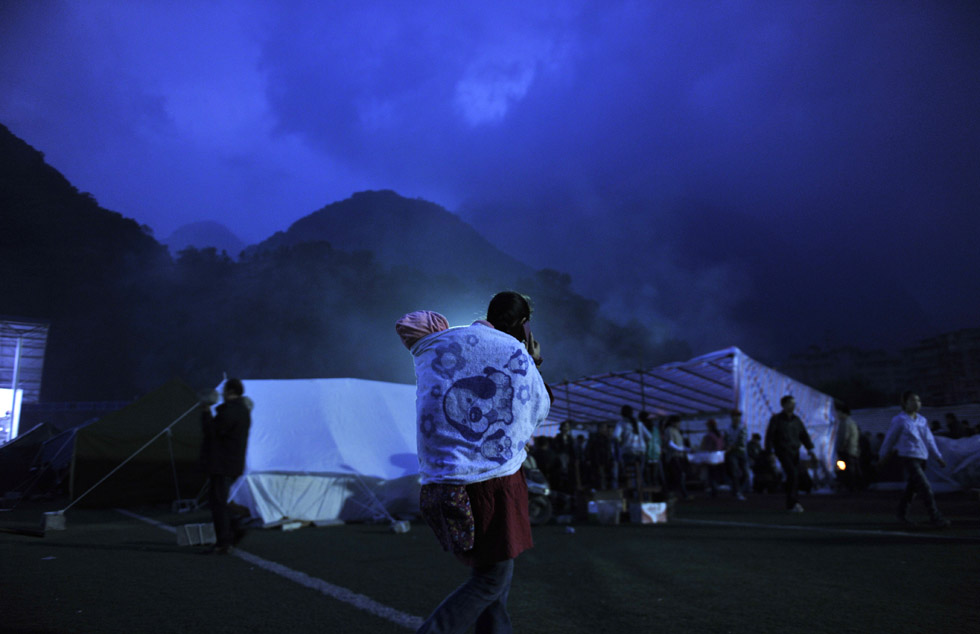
pixel 533 348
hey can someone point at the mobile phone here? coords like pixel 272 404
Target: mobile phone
pixel 527 331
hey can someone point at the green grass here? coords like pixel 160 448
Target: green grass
pixel 115 574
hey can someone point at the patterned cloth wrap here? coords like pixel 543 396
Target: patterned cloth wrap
pixel 446 509
pixel 479 398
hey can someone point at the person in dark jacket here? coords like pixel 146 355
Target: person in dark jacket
pixel 598 452
pixel 223 454
pixel 784 436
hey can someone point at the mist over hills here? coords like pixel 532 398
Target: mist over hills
pixel 204 234
pixel 319 300
pixel 402 231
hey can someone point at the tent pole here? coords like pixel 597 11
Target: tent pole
pixel 568 403
pixel 14 379
pixel 643 392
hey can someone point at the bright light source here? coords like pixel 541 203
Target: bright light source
pixel 9 414
pixel 841 465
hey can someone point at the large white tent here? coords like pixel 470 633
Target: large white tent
pixel 322 450
pixel 708 386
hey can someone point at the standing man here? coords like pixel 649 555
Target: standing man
pixel 909 436
pixel 848 446
pixel 223 453
pixel 737 455
pixel 784 436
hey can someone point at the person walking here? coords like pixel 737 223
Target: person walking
pixel 225 437
pixel 480 397
pixel 784 435
pixel 910 438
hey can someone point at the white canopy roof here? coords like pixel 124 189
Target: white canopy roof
pixel 708 386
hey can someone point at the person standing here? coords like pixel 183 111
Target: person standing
pixel 564 446
pixel 784 435
pixel 713 442
pixel 632 437
pixel 675 453
pixel 849 447
pixel 654 451
pixel 223 453
pixel 480 397
pixel 954 428
pixel 599 454
pixel 737 455
pixel 910 438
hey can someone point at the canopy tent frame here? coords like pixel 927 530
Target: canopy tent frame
pixel 709 386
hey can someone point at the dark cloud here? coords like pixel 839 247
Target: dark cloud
pixel 762 174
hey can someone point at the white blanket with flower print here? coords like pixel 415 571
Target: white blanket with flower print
pixel 478 400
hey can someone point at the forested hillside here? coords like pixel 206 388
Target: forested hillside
pixel 126 316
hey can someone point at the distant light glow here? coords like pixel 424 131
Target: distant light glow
pixel 841 465
pixel 9 414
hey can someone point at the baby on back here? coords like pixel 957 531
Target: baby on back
pixel 421 323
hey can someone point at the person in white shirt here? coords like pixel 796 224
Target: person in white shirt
pixel 632 437
pixel 911 439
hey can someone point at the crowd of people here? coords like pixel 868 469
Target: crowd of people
pixel 652 452
pixel 606 455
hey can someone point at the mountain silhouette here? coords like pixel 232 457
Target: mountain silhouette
pixel 318 300
pixel 204 234
pixel 402 232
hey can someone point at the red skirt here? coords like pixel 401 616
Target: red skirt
pixel 500 512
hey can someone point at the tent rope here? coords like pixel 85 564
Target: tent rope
pixel 380 511
pixel 165 430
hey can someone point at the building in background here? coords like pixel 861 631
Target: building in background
pixel 877 374
pixel 945 370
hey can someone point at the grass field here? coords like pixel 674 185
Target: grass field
pixel 720 566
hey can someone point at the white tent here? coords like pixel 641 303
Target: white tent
pixel 705 387
pixel 322 450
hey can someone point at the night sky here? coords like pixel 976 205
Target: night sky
pixel 769 175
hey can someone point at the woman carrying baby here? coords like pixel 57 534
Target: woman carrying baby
pixel 479 398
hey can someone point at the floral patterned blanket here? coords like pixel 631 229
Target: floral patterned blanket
pixel 479 398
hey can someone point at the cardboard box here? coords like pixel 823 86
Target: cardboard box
pixel 648 513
